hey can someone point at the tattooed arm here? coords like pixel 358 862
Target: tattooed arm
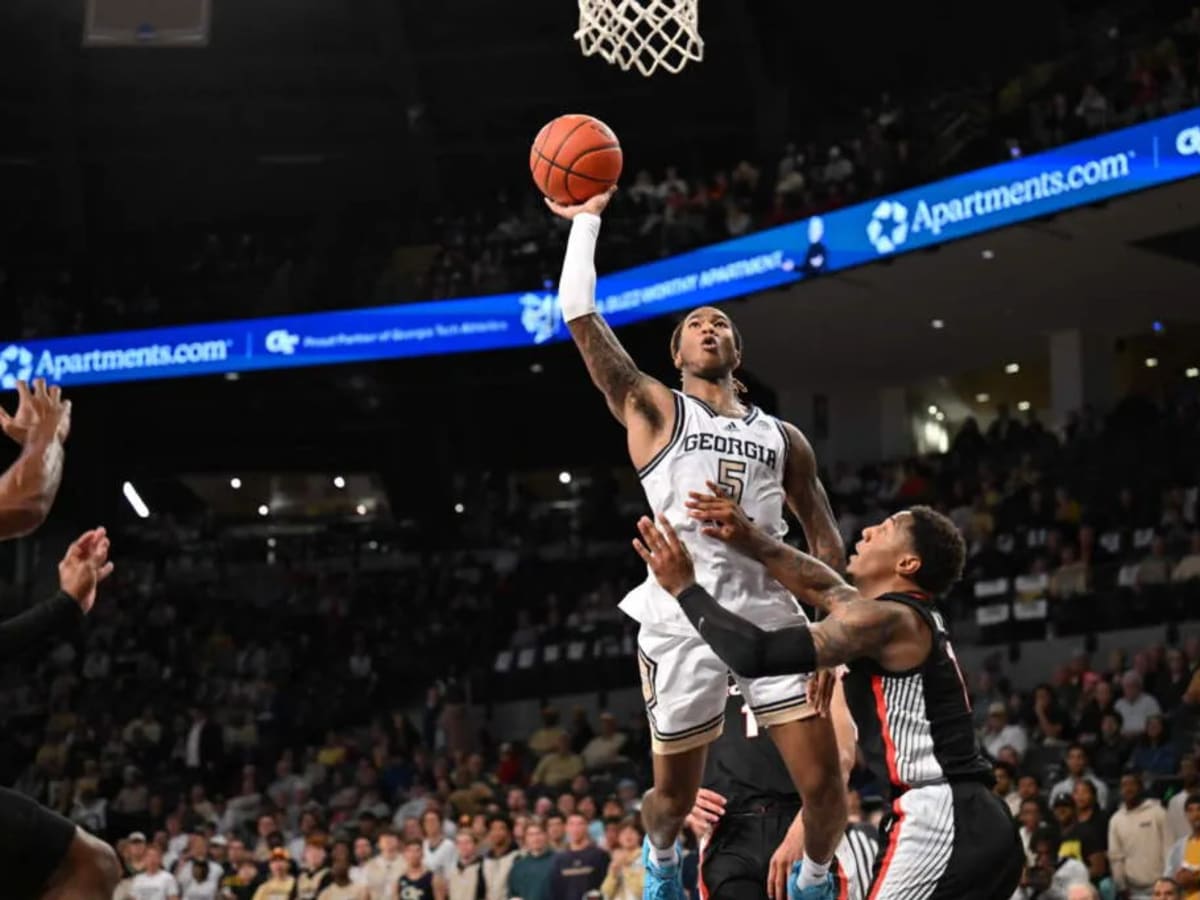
pixel 887 632
pixel 629 391
pixel 632 395
pixel 807 577
pixel 808 500
pixel 855 630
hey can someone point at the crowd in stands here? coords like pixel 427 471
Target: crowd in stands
pixel 240 730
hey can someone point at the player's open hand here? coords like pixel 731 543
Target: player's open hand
pixel 85 566
pixel 706 812
pixel 42 413
pixel 666 556
pixel 721 517
pixel 594 205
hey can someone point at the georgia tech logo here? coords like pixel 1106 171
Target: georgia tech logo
pixel 1188 142
pixel 540 316
pixel 888 228
pixel 16 364
pixel 281 341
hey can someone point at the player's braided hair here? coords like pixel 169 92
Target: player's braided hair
pixel 936 540
pixel 677 336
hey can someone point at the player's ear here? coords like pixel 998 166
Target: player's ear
pixel 908 564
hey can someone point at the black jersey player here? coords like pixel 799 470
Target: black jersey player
pixel 43 855
pixel 747 813
pixel 946 835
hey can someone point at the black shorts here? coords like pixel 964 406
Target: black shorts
pixel 948 842
pixel 35 843
pixel 737 857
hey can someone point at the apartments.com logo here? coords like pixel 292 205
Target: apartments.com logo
pixel 16 364
pixel 20 364
pixel 891 224
pixel 1188 141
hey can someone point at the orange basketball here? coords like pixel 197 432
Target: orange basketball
pixel 575 157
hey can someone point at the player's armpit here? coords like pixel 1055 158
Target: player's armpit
pixel 629 391
pixel 808 500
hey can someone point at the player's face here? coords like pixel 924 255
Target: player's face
pixel 706 344
pixel 883 550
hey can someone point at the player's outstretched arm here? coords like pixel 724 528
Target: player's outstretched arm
pixel 854 629
pixel 82 569
pixel 629 391
pixel 809 578
pixel 808 500
pixel 29 486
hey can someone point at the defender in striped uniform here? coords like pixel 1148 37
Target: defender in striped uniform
pixel 746 814
pixel 948 837
pixel 677 439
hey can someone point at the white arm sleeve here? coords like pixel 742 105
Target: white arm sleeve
pixel 577 284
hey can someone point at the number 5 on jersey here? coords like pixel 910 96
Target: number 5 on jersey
pixel 731 476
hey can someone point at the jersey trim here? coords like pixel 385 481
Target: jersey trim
pixel 749 417
pixel 787 444
pixel 676 432
pixel 877 885
pixel 885 732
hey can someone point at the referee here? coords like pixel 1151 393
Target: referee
pixel 747 814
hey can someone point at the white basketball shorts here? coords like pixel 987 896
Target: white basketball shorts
pixel 685 686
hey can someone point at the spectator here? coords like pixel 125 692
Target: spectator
pixel 1183 859
pixel 498 862
pixel 556 831
pixel 1135 706
pixel 383 872
pixel 280 885
pixel 1166 889
pixel 241 883
pixel 555 770
pixel 581 867
pixel 1077 770
pixel 1031 821
pixel 626 871
pixel 465 881
pixel 416 876
pixel 1189 776
pixel 1004 787
pixel 1049 723
pixel 1101 702
pixel 1089 832
pixel 1070 579
pixel 998 733
pixel 1083 892
pixel 1093 109
pixel 153 883
pixel 1188 568
pixel 1154 754
pixel 530 875
pixel 1112 750
pixel 605 748
pixel 363 851
pixel 204 881
pixel 1049 876
pixel 314 873
pixel 440 854
pixel 1154 569
pixel 1137 840
pixel 1172 683
pixel 547 738
pixel 340 887
pixel 204 748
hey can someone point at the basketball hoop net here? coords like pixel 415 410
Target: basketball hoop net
pixel 642 34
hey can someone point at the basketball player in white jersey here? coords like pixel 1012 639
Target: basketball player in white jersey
pixel 678 439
